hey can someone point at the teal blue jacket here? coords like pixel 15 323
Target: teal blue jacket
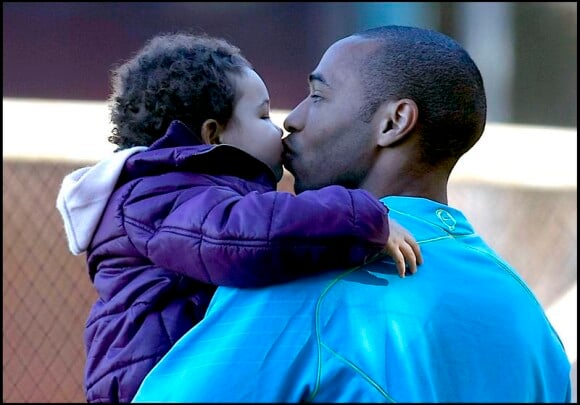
pixel 464 328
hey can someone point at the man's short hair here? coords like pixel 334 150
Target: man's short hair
pixel 438 75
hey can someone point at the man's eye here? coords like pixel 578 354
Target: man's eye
pixel 315 97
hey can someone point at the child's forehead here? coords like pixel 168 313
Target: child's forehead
pixel 251 88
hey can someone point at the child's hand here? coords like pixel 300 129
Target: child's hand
pixel 403 248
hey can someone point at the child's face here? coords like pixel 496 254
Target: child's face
pixel 250 127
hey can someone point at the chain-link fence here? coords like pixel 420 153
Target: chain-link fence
pixel 47 293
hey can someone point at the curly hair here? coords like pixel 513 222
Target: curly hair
pixel 178 76
pixel 439 76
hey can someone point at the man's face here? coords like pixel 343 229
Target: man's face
pixel 328 143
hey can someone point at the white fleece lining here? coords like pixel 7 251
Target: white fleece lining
pixel 84 194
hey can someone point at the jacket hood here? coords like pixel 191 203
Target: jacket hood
pixel 83 196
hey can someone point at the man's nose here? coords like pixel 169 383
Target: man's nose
pixel 291 121
pixel 288 125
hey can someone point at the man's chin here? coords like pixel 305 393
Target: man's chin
pixel 299 187
pixel 289 174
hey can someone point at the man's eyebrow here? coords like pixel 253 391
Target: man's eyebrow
pixel 265 103
pixel 317 77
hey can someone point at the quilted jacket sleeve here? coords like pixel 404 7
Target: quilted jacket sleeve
pixel 220 237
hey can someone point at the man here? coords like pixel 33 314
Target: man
pixel 390 110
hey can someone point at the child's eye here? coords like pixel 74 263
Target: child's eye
pixel 315 97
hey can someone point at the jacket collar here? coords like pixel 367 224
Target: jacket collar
pixel 177 135
pixel 180 149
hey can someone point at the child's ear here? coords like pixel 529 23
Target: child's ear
pixel 210 131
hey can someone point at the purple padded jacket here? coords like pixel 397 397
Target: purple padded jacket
pixel 162 226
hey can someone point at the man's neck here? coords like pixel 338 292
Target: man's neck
pixel 430 184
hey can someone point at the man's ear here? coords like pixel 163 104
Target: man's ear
pixel 210 131
pixel 398 119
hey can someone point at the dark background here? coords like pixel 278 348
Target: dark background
pixel 66 50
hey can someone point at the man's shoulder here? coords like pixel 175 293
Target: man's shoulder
pixel 302 290
pixel 309 297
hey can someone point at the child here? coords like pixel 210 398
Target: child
pixel 189 202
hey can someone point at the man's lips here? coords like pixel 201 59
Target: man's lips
pixel 287 157
pixel 286 152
